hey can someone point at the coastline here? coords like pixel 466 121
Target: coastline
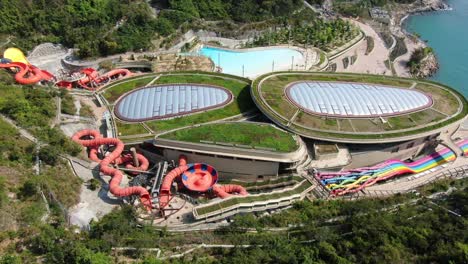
pixel 412 41
pixel 434 6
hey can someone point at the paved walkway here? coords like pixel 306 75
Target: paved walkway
pixel 374 62
pixel 93 204
pixel 343 158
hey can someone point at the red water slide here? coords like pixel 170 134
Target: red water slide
pixel 93 80
pixel 28 74
pixel 165 191
pixel 196 177
pixel 93 142
pixel 224 191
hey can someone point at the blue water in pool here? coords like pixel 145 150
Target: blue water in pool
pixel 253 63
pixel 447 33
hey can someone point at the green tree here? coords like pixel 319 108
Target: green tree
pixel 185 6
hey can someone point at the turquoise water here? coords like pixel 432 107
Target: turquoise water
pixel 253 63
pixel 447 33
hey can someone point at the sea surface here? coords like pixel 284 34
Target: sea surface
pixel 447 33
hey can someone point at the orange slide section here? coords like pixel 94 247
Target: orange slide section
pixel 28 74
pixel 165 191
pixel 14 58
pixel 224 191
pixel 94 141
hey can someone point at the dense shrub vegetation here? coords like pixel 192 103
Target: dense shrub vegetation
pixel 95 27
pixel 34 110
pixel 237 10
pixel 102 27
pixel 396 230
pixel 318 33
pixel 417 57
pixel 361 7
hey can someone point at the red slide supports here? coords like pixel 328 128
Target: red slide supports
pixel 165 191
pixel 114 157
pixel 224 191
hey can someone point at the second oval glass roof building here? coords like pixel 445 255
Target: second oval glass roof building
pixel 343 99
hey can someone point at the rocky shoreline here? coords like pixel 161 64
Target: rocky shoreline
pixel 429 66
pixel 433 5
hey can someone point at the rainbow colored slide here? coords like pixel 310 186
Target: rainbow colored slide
pixel 341 183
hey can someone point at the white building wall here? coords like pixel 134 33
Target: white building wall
pixel 402 151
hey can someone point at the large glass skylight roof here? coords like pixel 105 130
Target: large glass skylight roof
pixel 355 100
pixel 165 101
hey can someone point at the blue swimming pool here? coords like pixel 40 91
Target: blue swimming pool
pixel 252 63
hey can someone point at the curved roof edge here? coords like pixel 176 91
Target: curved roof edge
pixel 119 115
pixel 397 136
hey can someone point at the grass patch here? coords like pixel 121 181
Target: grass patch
pixel 323 57
pixel 444 101
pixel 62 183
pixel 307 120
pixel 238 86
pixel 370 44
pixel 17 177
pixel 126 129
pixel 114 91
pixel 345 125
pixel 67 103
pixel 256 184
pixel 253 135
pixel 367 125
pixel 86 110
pixel 242 101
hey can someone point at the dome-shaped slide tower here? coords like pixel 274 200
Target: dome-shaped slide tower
pixel 196 177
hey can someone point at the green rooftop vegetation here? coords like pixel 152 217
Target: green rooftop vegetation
pixel 245 135
pixel 203 210
pixel 271 98
pixel 261 184
pixel 238 86
pixel 114 91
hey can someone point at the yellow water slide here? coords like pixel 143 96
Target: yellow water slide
pixel 15 55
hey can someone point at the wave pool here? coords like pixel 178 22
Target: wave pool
pixel 254 62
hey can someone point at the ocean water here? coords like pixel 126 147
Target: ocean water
pixel 447 33
pixel 253 63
